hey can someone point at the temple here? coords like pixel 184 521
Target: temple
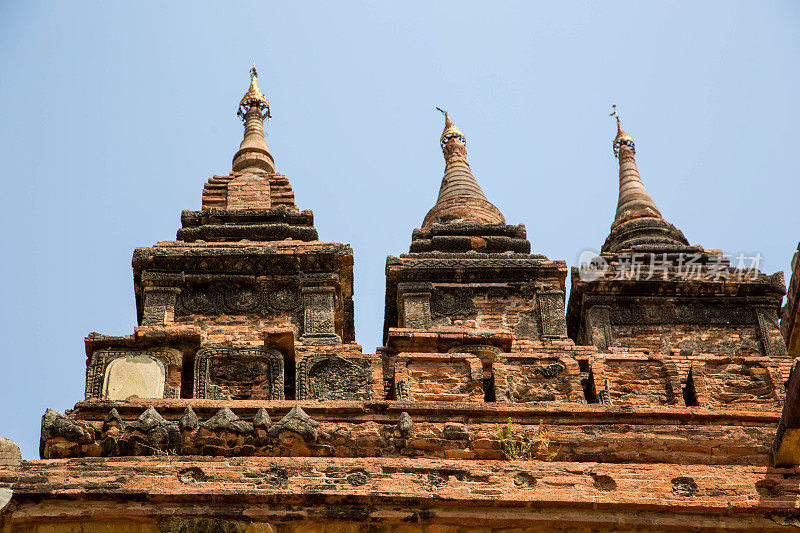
pixel 661 397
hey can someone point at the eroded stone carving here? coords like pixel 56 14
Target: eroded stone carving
pixel 453 302
pixel 226 420
pixel 113 420
pixel 537 378
pixel 551 311
pixel 649 311
pixel 10 455
pixel 528 326
pixel 769 331
pixel 299 422
pixel 262 420
pixel 147 435
pixel 54 424
pixel 159 305
pixel 319 325
pixel 635 379
pixel 405 425
pixel 417 310
pixel 188 420
pixel 331 377
pixel 238 373
pixel 598 327
pixel 220 298
pixel 739 381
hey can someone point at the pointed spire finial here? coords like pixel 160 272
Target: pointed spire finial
pixel 253 98
pixel 450 130
pixel 612 114
pixel 460 196
pixel 253 109
pixel 622 138
pixel 637 220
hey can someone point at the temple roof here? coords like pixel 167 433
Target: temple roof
pixel 253 202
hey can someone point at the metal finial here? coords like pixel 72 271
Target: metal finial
pixel 622 138
pixel 253 97
pixel 614 113
pixel 450 130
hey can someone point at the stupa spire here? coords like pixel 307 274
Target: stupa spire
pixel 253 109
pixel 637 220
pixel 634 200
pixel 460 196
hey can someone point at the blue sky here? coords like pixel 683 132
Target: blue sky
pixel 113 115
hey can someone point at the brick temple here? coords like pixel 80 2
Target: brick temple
pixel 658 395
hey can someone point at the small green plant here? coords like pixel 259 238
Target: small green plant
pixel 534 445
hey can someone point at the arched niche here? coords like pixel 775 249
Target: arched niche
pixel 136 374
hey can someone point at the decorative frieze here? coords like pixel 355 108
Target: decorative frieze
pixel 642 311
pixel 231 298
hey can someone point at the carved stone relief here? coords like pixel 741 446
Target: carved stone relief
pixel 635 380
pixel 736 381
pixel 159 304
pixel 238 374
pixel 551 309
pixel 528 326
pixel 598 326
pixel 319 315
pixel 450 303
pixel 227 298
pixel 419 377
pixel 737 345
pixel 641 312
pixel 417 310
pixel 536 378
pixel 331 377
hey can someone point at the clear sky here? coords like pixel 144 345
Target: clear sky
pixel 113 115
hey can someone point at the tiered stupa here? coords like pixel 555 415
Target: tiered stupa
pixel 241 403
pixel 683 305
